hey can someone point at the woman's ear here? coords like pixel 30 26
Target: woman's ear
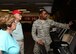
pixel 8 28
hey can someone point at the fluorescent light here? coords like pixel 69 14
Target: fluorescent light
pixel 26 11
pixel 5 10
pixel 22 9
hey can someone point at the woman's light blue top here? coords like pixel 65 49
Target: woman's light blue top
pixel 8 44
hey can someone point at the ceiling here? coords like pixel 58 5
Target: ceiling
pixel 29 1
pixel 31 5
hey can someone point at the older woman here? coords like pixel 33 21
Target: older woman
pixel 8 45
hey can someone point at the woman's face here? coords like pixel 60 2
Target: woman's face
pixel 13 26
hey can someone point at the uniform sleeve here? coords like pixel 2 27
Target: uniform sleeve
pixel 34 30
pixel 60 25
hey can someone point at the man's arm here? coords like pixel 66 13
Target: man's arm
pixel 34 34
pixel 60 25
pixel 34 31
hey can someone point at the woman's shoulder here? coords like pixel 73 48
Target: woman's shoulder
pixel 3 33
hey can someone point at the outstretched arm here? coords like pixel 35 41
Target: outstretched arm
pixel 66 26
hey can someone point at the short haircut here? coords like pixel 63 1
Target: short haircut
pixel 42 11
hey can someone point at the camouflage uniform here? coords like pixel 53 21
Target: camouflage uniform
pixel 42 31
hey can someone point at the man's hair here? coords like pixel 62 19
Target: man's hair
pixel 42 11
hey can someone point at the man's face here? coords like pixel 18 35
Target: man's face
pixel 18 17
pixel 44 15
